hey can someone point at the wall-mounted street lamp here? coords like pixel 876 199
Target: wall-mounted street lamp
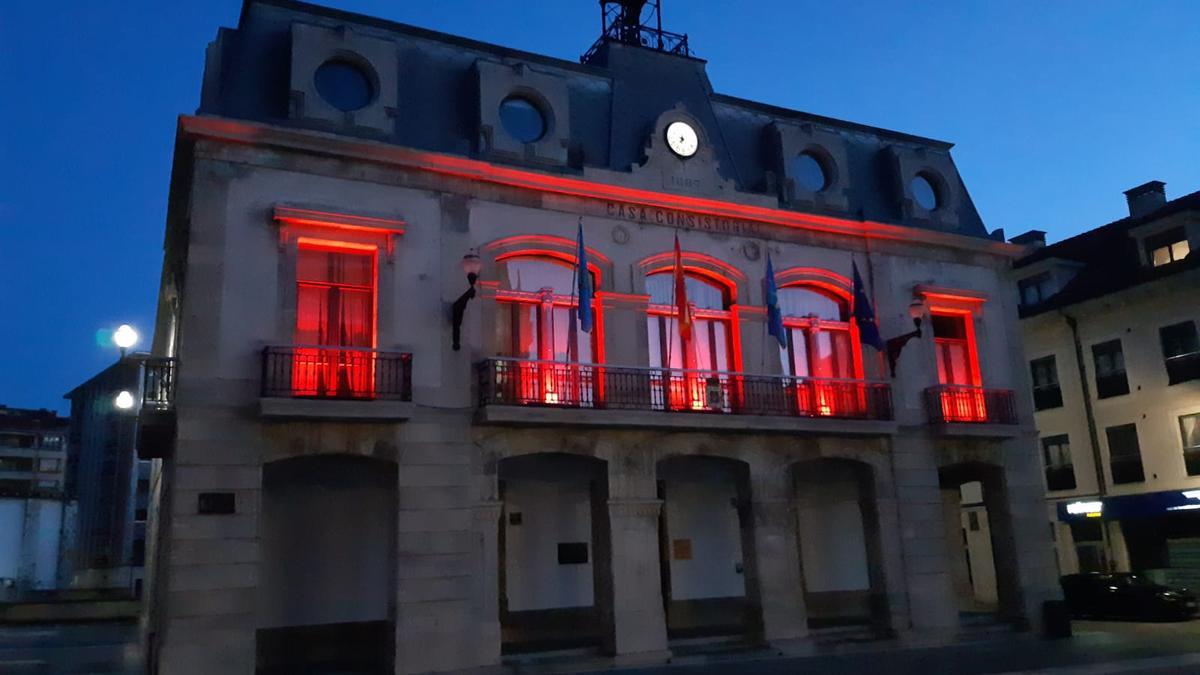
pixel 916 309
pixel 123 400
pixel 125 337
pixel 471 264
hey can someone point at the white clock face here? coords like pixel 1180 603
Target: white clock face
pixel 681 138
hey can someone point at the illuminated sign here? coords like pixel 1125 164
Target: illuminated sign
pixel 1077 508
pixel 1191 494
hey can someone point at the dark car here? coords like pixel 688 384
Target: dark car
pixel 1126 596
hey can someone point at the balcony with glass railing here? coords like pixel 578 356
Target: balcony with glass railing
pixel 677 393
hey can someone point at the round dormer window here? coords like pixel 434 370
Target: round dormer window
pixel 809 172
pixel 522 119
pixel 924 193
pixel 344 85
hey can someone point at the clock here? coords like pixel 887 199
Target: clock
pixel 682 139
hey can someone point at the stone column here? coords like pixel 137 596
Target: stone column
pixel 1036 576
pixel 777 555
pixel 487 572
pixel 922 526
pixel 640 625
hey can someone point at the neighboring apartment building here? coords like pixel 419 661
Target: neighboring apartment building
pixel 108 482
pixel 32 507
pixel 348 479
pixel 1110 320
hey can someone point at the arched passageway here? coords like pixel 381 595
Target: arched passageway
pixel 707 546
pixel 327 573
pixel 980 542
pixel 840 544
pixel 554 561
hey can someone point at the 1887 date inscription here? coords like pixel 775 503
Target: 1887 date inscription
pixel 650 215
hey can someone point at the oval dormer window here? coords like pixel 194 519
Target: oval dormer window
pixel 344 85
pixel 522 119
pixel 809 172
pixel 923 192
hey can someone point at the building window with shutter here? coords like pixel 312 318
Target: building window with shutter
pixel 1181 351
pixel 1124 454
pixel 1060 470
pixel 1109 360
pixel 1189 429
pixel 1046 392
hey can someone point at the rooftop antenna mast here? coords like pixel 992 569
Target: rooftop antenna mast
pixel 639 23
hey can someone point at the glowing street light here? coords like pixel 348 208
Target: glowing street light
pixel 123 400
pixel 125 337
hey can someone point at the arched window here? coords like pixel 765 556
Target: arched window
pixel 537 328
pixel 537 312
pixel 709 349
pixel 819 343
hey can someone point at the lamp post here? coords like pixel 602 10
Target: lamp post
pixel 916 310
pixel 471 265
pixel 125 337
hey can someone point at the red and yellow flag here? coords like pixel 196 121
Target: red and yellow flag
pixel 683 309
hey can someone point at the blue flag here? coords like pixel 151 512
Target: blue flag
pixel 774 317
pixel 584 280
pixel 864 315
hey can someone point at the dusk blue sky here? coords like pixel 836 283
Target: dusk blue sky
pixel 1054 107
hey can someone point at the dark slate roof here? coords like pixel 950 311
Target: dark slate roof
pixel 614 101
pixel 1110 258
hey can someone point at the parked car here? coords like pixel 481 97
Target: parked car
pixel 1126 596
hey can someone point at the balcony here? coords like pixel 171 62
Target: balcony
pixel 528 391
pixel 972 411
pixel 300 381
pixel 156 417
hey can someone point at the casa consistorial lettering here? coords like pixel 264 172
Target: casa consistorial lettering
pixel 652 215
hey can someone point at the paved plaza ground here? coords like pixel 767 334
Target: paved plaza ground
pixel 1098 647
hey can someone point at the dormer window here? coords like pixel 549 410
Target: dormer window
pixel 1035 290
pixel 1167 247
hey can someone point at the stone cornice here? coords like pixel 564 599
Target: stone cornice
pixel 648 206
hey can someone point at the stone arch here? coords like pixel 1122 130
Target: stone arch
pixel 707 549
pixel 554 551
pixel 327 562
pixel 841 541
pixel 975 498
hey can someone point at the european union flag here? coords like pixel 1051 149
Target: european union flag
pixel 584 280
pixel 774 316
pixel 864 315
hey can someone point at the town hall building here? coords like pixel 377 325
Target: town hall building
pixel 394 441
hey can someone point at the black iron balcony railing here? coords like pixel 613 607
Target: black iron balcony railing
pixel 508 381
pixel 975 405
pixel 158 384
pixel 304 371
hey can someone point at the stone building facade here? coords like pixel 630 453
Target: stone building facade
pixel 338 483
pixel 1110 321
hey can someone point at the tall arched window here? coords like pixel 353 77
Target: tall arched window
pixel 710 348
pixel 818 331
pixel 537 322
pixel 822 349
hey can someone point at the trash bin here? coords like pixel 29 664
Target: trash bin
pixel 1056 620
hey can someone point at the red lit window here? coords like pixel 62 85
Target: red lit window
pixel 957 364
pixel 537 321
pixel 707 356
pixel 335 322
pixel 820 345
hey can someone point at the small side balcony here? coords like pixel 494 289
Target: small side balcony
pixel 528 391
pixel 972 411
pixel 156 417
pixel 352 383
